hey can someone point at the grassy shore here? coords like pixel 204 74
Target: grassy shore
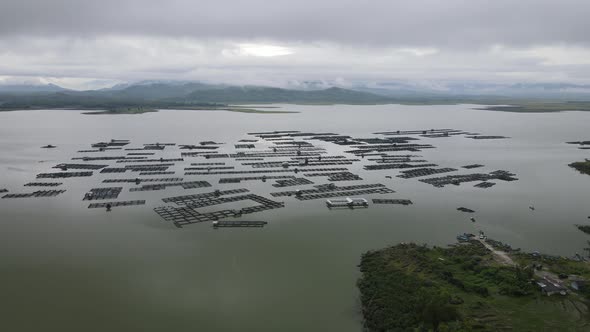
pixel 147 110
pixel 410 287
pixel 540 106
pixel 582 166
pixel 122 110
pixel 142 110
pixel 238 109
pixel 584 228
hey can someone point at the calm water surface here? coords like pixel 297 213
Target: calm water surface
pixel 64 267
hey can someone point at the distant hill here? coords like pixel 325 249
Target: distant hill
pixel 30 88
pixel 178 94
pixel 157 90
pixel 556 91
pixel 252 94
pixel 170 95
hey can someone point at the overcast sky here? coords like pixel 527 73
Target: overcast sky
pixel 88 44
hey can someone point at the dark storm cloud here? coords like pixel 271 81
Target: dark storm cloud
pixel 438 23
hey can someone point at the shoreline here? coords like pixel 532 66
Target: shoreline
pixel 135 110
pixel 510 106
pixel 478 283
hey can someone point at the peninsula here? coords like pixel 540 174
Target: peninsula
pixel 475 285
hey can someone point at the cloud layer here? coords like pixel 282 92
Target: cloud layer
pixel 254 41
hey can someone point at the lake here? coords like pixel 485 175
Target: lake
pixel 65 267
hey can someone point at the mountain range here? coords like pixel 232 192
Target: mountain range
pixel 170 94
pixel 174 94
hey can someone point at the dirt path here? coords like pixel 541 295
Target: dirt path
pixel 502 256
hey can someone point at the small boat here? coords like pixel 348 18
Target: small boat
pixel 49 146
pixel 532 208
pixel 462 238
pixel 472 219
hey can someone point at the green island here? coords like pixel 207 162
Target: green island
pixel 142 110
pixel 582 166
pixel 538 106
pixel 472 286
pixel 584 228
pixel 121 110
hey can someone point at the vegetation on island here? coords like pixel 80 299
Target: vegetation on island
pixel 410 287
pixel 539 106
pixel 141 110
pixel 582 166
pixel 557 265
pixel 122 110
pixel 584 228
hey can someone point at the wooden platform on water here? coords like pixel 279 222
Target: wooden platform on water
pixel 142 180
pixel 392 201
pixel 238 223
pixel 116 204
pixel 36 194
pixel 162 186
pixel 63 175
pixel 102 193
pixel 254 178
pixel 42 184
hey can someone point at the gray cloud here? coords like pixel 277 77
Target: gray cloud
pixel 83 43
pixel 465 23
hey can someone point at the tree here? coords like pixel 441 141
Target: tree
pixel 438 310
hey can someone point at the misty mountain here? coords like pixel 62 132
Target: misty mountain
pixel 454 89
pixel 253 94
pixel 169 95
pixel 559 91
pixel 156 91
pixel 30 88
pixel 196 92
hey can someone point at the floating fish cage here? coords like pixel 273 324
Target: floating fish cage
pixel 347 203
pixel 238 223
